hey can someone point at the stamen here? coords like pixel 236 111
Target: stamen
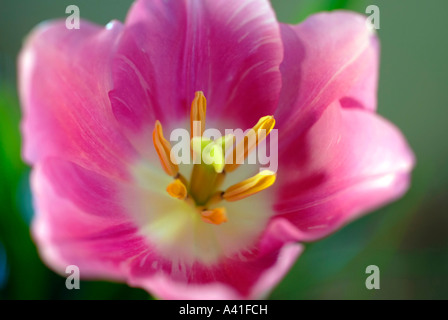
pixel 197 115
pixel 211 165
pixel 214 216
pixel 250 186
pixel 177 190
pixel 216 197
pixel 163 149
pixel 257 134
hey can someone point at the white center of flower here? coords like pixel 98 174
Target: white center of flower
pixel 198 219
pixel 178 232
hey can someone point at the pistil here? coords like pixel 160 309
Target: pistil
pixel 211 165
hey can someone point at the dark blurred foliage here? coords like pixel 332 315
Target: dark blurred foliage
pixel 408 239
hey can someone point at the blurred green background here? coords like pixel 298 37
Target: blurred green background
pixel 408 239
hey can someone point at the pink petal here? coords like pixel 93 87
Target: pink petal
pixel 99 244
pixel 350 162
pixel 328 57
pixel 230 49
pixel 80 222
pixel 93 193
pixel 64 83
pixel 246 275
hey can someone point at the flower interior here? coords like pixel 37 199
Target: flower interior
pixel 212 161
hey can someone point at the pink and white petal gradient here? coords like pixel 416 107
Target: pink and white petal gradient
pixel 64 78
pixel 104 243
pixel 350 162
pixel 245 275
pixel 91 97
pixel 229 49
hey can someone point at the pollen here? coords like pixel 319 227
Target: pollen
pixel 197 114
pixel 163 149
pixel 177 190
pixel 212 163
pixel 251 186
pixel 214 216
pixel 254 136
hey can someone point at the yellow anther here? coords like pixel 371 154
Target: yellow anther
pixel 266 122
pixel 163 149
pixel 257 134
pixel 210 164
pixel 197 115
pixel 248 187
pixel 214 216
pixel 177 189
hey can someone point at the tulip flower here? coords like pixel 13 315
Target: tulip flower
pixel 99 104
